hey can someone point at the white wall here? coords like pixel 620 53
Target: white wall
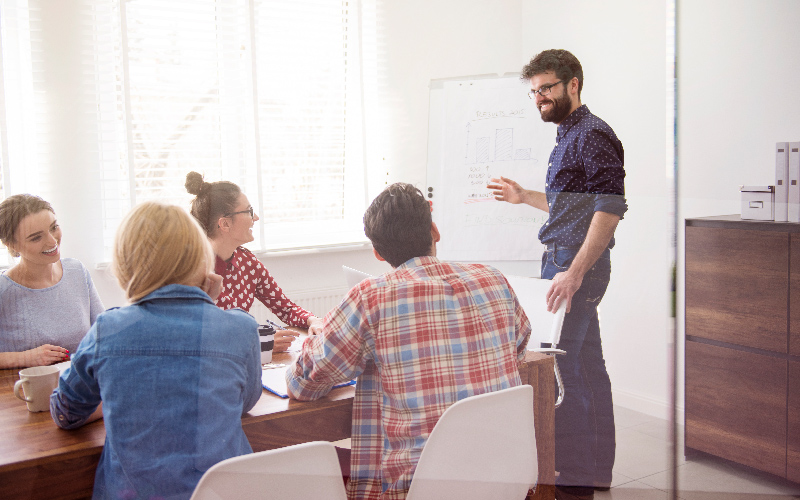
pixel 622 48
pixel 428 39
pixel 738 77
pixel 738 69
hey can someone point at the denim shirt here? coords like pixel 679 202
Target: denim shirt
pixel 585 175
pixel 175 373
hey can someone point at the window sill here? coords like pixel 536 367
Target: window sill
pixel 287 252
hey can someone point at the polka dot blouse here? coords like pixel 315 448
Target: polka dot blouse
pixel 244 279
pixel 585 175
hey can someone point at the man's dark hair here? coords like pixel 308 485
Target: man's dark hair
pixel 398 222
pixel 561 62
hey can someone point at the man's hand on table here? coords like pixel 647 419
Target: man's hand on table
pixel 284 339
pixel 314 325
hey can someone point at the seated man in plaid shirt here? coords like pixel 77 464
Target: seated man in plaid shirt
pixel 419 338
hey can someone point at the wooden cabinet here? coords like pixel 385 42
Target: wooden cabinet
pixel 794 299
pixel 742 376
pixel 736 406
pixel 793 441
pixel 737 286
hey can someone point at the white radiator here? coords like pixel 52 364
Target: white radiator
pixel 318 302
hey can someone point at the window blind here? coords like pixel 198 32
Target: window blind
pixel 264 93
pixel 269 94
pixel 309 92
pixel 17 170
pixel 173 73
pixel 302 108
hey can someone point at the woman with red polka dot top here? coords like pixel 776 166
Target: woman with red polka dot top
pixel 228 218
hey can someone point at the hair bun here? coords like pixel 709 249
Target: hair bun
pixel 194 183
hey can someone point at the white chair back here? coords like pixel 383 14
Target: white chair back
pixel 558 323
pixel 532 295
pixel 546 326
pixel 353 276
pixel 300 472
pixel 482 448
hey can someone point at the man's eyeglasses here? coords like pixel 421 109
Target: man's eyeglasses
pixel 544 90
pixel 248 211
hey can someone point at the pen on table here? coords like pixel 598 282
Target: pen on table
pixel 276 326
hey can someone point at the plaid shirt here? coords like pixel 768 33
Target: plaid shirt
pixel 244 278
pixel 419 339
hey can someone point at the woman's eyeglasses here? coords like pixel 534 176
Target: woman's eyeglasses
pixel 248 211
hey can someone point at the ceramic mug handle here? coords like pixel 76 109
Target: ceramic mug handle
pixel 17 387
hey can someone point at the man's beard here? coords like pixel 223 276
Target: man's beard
pixel 559 109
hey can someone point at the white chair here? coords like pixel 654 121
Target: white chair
pixel 304 471
pixel 482 448
pixel 353 276
pixel 549 347
pixel 532 294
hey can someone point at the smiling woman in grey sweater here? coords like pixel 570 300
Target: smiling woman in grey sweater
pixel 47 303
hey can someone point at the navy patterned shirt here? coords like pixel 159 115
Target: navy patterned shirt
pixel 585 175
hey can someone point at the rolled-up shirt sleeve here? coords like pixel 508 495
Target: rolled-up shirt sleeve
pixel 337 355
pixel 605 174
pixel 78 393
pixel 610 203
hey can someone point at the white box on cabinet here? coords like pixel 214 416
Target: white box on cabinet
pixel 758 202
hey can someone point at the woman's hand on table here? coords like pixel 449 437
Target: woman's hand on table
pixel 284 339
pixel 46 354
pixel 314 325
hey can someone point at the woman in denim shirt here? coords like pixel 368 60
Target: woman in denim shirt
pixel 173 371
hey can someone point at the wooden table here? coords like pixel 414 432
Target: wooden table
pixel 40 461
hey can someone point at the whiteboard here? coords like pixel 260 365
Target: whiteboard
pixel 483 127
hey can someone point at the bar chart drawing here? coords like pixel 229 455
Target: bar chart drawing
pixel 482 150
pixel 500 149
pixel 503 142
pixel 522 154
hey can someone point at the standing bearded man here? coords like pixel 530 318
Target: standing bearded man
pixel 584 197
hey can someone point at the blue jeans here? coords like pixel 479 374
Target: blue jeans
pixel 585 437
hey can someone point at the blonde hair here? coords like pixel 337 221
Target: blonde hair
pixel 158 245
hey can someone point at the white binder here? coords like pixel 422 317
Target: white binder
pixel 781 182
pixel 794 182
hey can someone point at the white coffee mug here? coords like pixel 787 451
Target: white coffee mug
pixel 37 383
